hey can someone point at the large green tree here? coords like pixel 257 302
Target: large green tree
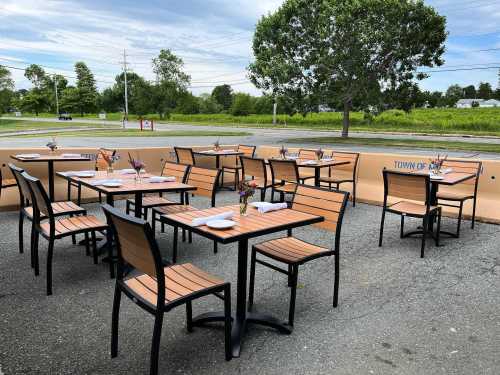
pixel 172 82
pixel 86 86
pixel 223 94
pixel 6 89
pixel 485 91
pixel 345 49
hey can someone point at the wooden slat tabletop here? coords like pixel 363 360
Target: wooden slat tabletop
pixel 302 163
pixel 130 185
pixel 253 225
pixel 451 178
pixel 218 153
pixel 47 157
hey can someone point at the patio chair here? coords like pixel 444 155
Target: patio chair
pixel 6 183
pixel 184 155
pixel 26 209
pixel 179 171
pixel 307 154
pixel 285 177
pixel 154 287
pixel 232 164
pixel 412 193
pixel 294 252
pixel 455 196
pixel 342 174
pixel 100 165
pixel 256 169
pixel 46 224
pixel 205 180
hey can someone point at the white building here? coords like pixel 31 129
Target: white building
pixel 468 103
pixel 490 103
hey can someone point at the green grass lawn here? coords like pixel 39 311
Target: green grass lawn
pixel 137 133
pixel 8 126
pixel 400 143
pixel 473 121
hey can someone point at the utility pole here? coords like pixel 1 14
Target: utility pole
pixel 275 105
pixel 57 96
pixel 126 93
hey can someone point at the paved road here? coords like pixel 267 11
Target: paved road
pixel 259 137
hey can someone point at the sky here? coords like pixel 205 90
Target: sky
pixel 213 37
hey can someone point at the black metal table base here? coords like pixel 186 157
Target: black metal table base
pixel 421 233
pixel 239 325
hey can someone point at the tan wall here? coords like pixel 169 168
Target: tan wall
pixel 370 185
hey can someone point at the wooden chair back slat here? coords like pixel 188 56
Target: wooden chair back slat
pixel 409 186
pixel 100 162
pixel 22 184
pixel 134 245
pixel 179 171
pixel 307 154
pixel 351 157
pixel 255 168
pixel 39 196
pixel 465 166
pixel 184 155
pixel 321 202
pixel 205 180
pixel 248 151
pixel 284 170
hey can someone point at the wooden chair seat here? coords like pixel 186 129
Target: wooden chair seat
pixel 291 250
pixel 152 201
pixel 181 281
pixel 411 208
pixel 454 196
pixel 8 182
pixel 286 188
pixel 337 178
pixel 74 225
pixel 305 175
pixel 173 209
pixel 232 166
pixel 60 209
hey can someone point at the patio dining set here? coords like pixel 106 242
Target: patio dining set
pixel 296 190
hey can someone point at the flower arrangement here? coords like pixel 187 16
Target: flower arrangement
pixel 109 159
pixel 435 165
pixel 246 190
pixel 137 165
pixel 319 154
pixel 52 145
pixel 217 145
pixel 283 151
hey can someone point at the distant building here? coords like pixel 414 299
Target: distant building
pixel 469 103
pixel 490 103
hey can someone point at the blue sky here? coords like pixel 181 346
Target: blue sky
pixel 212 36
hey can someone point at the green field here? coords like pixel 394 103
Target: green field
pixel 8 126
pixel 137 133
pixel 477 121
pixel 399 143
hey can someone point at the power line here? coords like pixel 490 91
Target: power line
pixel 458 70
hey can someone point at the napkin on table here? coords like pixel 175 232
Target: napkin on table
pixel 105 181
pixel 272 207
pixel 203 220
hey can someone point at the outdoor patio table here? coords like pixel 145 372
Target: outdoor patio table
pixel 448 179
pixel 129 186
pixel 50 160
pixel 317 165
pixel 247 227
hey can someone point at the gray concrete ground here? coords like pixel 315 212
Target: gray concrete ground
pixel 398 314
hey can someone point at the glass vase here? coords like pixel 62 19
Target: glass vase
pixel 243 207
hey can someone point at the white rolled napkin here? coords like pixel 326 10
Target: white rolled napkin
pixel 446 171
pixel 268 207
pixel 32 156
pixel 75 173
pixel 159 179
pixel 203 220
pixel 71 155
pixel 310 162
pixel 105 181
pixel 127 171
